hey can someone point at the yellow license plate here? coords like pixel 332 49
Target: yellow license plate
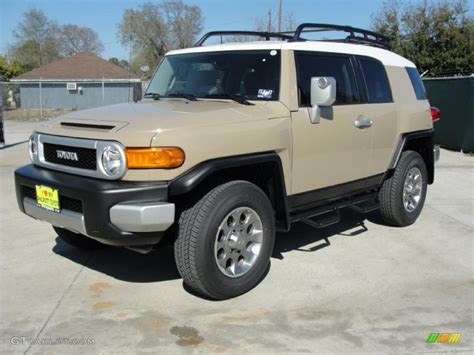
pixel 47 197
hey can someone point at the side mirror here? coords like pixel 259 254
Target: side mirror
pixel 323 94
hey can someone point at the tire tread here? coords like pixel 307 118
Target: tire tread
pixel 189 236
pixel 390 208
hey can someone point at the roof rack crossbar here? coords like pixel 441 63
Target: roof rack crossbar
pixel 266 35
pixel 356 35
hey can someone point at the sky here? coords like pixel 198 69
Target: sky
pixel 104 15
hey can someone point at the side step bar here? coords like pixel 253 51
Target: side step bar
pixel 328 214
pixel 365 206
pixel 323 220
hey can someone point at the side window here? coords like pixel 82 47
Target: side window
pixel 339 67
pixel 376 81
pixel 418 86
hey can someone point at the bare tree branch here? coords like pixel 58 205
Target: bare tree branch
pixel 153 29
pixel 75 39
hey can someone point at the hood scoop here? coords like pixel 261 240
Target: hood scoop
pixel 90 125
pixel 82 126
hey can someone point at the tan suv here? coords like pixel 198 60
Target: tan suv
pixel 234 142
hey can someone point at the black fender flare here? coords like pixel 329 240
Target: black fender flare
pixel 407 139
pixel 190 179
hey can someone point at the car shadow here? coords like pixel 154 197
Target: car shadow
pixel 11 145
pixel 124 264
pixel 303 238
pixel 159 265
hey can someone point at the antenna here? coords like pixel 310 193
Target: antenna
pixel 130 60
pixel 270 20
pixel 279 16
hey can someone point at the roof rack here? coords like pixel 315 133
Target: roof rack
pixel 356 35
pixel 266 35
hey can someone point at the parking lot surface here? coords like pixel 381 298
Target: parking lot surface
pixel 358 286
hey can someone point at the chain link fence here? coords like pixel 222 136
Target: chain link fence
pixel 46 99
pixel 2 134
pixel 12 97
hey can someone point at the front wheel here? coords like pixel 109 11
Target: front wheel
pixel 225 241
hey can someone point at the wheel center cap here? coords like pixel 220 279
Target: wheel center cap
pixel 233 238
pixel 236 240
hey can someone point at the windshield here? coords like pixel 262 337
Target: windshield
pixel 254 75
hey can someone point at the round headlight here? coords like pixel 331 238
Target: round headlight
pixel 33 148
pixel 112 161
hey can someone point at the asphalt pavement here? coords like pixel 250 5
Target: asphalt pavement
pixel 358 286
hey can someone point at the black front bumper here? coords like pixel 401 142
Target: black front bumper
pixel 93 198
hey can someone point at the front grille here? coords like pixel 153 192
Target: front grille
pixel 65 202
pixel 86 158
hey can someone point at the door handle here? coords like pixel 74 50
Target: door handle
pixel 363 122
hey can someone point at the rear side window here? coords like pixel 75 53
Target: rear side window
pixel 417 83
pixel 376 81
pixel 338 66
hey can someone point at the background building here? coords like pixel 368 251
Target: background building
pixel 78 82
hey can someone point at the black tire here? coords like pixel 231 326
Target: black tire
pixel 77 240
pixel 390 197
pixel 198 226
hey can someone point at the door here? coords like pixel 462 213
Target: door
pixel 381 110
pixel 333 151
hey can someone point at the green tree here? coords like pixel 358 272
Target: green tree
pixel 120 62
pixel 155 28
pixel 438 37
pixel 9 69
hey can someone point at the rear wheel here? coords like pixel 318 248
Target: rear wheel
pixel 402 196
pixel 225 241
pixel 77 240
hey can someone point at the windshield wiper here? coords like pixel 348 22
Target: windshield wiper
pixel 189 97
pixel 153 95
pixel 241 99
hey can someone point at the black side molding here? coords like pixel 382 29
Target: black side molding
pixel 316 198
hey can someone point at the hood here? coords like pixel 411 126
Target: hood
pixel 135 124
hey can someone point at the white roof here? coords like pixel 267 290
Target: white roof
pixel 385 56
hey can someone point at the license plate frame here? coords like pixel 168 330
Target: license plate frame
pixel 47 198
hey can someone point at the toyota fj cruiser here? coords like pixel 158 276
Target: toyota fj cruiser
pixel 234 142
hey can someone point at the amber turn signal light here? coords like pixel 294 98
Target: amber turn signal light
pixel 154 158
